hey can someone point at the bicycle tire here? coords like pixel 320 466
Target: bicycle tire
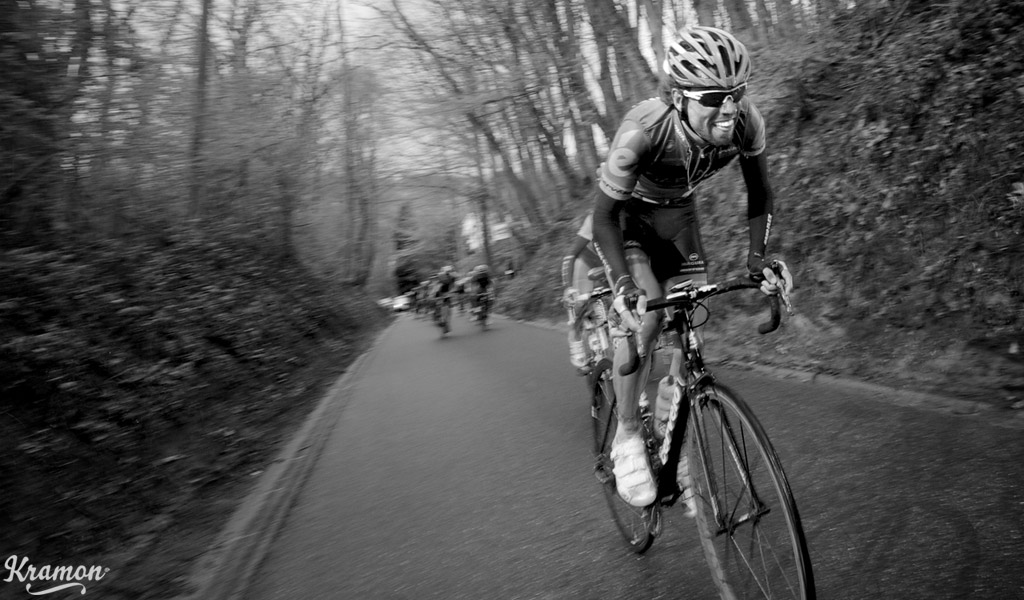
pixel 484 306
pixel 635 524
pixel 755 545
pixel 446 318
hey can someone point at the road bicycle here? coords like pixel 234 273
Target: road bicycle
pixel 714 458
pixel 481 308
pixel 443 313
pixel 588 314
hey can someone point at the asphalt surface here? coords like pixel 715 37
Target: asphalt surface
pixel 460 468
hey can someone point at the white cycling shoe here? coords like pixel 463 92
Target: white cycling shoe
pixel 633 478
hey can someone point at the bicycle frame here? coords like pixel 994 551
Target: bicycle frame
pixel 692 376
pixel 443 312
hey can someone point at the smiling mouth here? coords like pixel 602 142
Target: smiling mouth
pixel 725 125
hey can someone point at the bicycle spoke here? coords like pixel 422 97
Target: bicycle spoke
pixel 749 528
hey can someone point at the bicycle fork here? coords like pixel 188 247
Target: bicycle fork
pixel 727 519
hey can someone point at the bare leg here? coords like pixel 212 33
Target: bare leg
pixel 626 386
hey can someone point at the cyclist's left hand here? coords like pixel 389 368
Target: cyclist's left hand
pixel 773 279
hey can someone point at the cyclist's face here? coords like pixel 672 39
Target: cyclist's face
pixel 713 123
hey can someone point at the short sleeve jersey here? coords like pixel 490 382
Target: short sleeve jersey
pixel 482 279
pixel 446 281
pixel 655 157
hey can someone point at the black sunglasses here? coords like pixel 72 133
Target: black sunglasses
pixel 715 98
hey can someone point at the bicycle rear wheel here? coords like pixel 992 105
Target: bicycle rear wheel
pixel 747 519
pixel 635 524
pixel 484 305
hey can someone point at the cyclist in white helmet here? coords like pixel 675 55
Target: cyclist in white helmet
pixel 645 211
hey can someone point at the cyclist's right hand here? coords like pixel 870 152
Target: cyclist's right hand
pixel 630 302
pixel 777 280
pixel 773 275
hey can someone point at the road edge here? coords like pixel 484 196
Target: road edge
pixel 226 568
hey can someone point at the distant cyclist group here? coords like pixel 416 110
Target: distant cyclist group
pixel 436 296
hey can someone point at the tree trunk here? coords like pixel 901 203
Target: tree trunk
pixel 604 75
pixel 764 20
pixel 481 202
pixel 786 21
pixel 554 146
pixel 635 76
pixel 705 10
pixel 826 10
pixel 114 211
pixel 199 116
pixel 79 75
pixel 570 68
pixel 656 24
pixel 739 17
pixel 678 13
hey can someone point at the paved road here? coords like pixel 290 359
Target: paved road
pixel 459 468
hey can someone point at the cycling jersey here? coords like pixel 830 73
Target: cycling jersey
pixel 482 281
pixel 656 157
pixel 445 282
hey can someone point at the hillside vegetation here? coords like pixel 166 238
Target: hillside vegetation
pixel 144 382
pixel 896 149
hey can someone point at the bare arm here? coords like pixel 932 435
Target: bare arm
pixel 578 245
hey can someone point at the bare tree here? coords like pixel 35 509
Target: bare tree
pixel 654 10
pixel 199 112
pixel 787 19
pixel 764 20
pixel 739 18
pixel 705 10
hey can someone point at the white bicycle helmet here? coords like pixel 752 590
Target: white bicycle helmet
pixel 706 57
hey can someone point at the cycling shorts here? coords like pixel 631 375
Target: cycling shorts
pixel 668 235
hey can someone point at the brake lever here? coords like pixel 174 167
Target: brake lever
pixel 783 293
pixel 785 299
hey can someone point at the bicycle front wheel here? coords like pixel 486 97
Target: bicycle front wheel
pixel 634 523
pixel 747 519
